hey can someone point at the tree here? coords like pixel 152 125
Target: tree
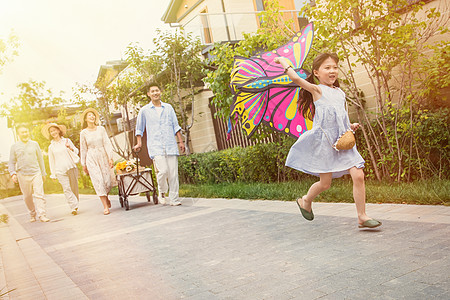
pixel 34 106
pixel 8 49
pixel 34 103
pixel 387 39
pixel 101 98
pixel 272 33
pixel 177 65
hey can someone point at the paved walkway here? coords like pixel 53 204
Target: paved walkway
pixel 224 249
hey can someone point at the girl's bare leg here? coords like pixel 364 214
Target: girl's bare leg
pixel 318 187
pixel 359 193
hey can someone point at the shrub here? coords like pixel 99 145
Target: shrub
pixel 424 147
pixel 423 142
pixel 258 163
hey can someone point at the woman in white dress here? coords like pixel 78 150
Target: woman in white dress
pixel 96 155
pixel 63 163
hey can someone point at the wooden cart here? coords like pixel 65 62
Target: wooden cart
pixel 133 183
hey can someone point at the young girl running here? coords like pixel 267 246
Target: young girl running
pixel 313 152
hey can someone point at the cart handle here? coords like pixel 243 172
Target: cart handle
pixel 135 154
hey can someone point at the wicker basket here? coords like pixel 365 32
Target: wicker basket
pixel 345 141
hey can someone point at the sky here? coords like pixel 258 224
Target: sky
pixel 66 42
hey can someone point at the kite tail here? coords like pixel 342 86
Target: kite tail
pixel 230 126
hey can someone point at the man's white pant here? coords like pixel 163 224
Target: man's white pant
pixel 69 183
pixel 29 184
pixel 167 175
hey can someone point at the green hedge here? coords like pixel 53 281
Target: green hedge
pixel 429 157
pixel 259 163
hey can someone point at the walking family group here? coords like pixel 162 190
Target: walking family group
pixel 313 153
pixel 26 163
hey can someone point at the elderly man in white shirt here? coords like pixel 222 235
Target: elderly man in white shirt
pixel 26 166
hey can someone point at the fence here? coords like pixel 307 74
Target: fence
pixel 237 136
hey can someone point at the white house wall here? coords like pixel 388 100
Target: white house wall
pixel 203 138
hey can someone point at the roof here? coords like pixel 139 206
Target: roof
pixel 110 70
pixel 170 15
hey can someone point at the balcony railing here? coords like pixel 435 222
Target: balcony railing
pixel 228 27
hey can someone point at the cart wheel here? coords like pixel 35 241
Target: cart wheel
pixel 155 199
pixel 127 205
pixel 121 201
pixel 147 194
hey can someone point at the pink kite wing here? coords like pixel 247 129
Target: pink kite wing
pixel 282 114
pixel 263 93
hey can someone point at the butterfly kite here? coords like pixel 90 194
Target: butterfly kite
pixel 263 93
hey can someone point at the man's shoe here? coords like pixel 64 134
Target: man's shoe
pixel 162 199
pixel 74 212
pixel 44 219
pixel 32 219
pixel 175 203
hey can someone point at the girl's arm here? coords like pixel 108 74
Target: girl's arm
pixel 310 87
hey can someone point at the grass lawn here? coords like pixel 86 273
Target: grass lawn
pixel 431 192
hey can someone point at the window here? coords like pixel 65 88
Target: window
pixel 207 37
pixel 259 5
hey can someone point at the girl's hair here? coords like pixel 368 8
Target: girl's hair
pixel 306 103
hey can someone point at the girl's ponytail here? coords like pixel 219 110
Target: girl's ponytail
pixel 306 104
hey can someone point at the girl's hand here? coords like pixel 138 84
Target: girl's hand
pixel 278 60
pixel 354 126
pixel 111 163
pixel 85 170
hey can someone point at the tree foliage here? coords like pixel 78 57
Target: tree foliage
pixel 8 49
pixel 272 33
pixel 176 65
pixel 386 39
pixel 102 98
pixel 34 103
pixel 34 106
pixel 387 42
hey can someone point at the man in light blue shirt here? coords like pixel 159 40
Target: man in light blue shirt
pixel 160 122
pixel 26 166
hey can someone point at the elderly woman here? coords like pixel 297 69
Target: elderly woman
pixel 96 155
pixel 63 157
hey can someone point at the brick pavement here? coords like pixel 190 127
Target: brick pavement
pixel 224 249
